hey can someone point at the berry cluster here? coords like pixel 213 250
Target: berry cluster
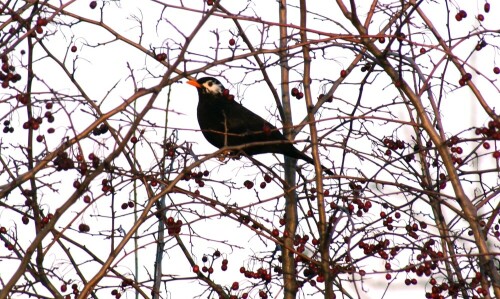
pixel 261 274
pixel 379 248
pixel 100 130
pixel 126 205
pixel 170 149
pixel 491 132
pixel 248 184
pixel 209 269
pixel 40 23
pixel 173 227
pixel 7 74
pixel 161 56
pixel 462 14
pixel 455 150
pixel 197 176
pixel 106 186
pixel 94 159
pixel 63 162
pixel 393 145
pixel 74 287
pixel 297 94
pixel 7 128
pixel 368 66
pixel 465 77
pixel 481 45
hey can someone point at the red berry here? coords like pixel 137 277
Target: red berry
pixel 463 13
pixel 161 56
pixel 458 17
pixel 232 42
pixel 76 184
pixel 295 91
pixel 496 154
pixel 248 184
pixel 210 2
pixel 41 22
pixel 486 7
pixel 196 269
pixel 93 4
pixel 133 139
pixel 235 286
pixel 381 39
pixel 84 228
pixel 300 95
pixel 267 178
pixel 343 73
pixel 39 138
pixel 423 50
pixel 73 48
pixel 388 276
pixel 480 17
pixel 496 70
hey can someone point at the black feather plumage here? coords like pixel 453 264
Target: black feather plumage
pixel 225 122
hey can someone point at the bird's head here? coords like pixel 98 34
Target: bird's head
pixel 207 85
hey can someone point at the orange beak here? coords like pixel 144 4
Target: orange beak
pixel 194 83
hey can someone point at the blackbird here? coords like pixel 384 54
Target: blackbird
pixel 225 122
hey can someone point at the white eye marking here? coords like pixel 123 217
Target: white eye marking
pixel 213 87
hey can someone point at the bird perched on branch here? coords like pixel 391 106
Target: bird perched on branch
pixel 225 122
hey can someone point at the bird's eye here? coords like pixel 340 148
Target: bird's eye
pixel 210 83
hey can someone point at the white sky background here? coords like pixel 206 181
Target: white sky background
pixel 100 68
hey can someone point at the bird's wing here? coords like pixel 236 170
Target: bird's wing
pixel 243 121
